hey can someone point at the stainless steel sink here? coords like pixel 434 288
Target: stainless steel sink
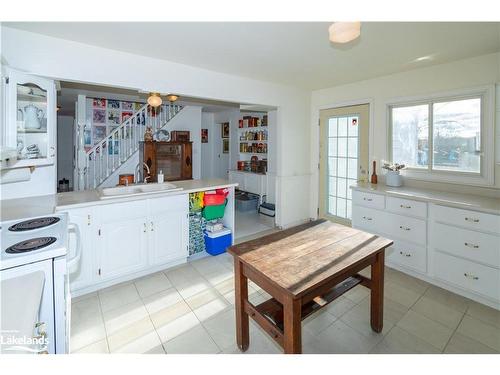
pixel 136 189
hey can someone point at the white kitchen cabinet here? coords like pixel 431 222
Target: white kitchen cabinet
pixel 30 106
pixel 168 226
pixel 251 182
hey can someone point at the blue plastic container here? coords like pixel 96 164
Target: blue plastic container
pixel 217 243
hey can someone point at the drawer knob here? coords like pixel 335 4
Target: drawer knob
pixel 367 199
pixel 404 228
pixel 403 206
pixel 367 218
pixel 408 255
pixel 471 276
pixel 471 245
pixel 472 219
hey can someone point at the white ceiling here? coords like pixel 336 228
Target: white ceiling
pixel 297 54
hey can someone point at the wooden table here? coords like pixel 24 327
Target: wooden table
pixel 304 268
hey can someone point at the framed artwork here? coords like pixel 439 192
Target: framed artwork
pixel 138 106
pixel 225 146
pixel 113 148
pixel 99 116
pixel 87 137
pixel 204 135
pixel 113 117
pixel 99 132
pixel 114 104
pixel 99 103
pixel 225 129
pixel 126 115
pixel 127 106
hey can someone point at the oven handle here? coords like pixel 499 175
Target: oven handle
pixel 74 263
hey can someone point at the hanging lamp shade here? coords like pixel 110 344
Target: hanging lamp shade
pixel 172 97
pixel 344 32
pixel 154 99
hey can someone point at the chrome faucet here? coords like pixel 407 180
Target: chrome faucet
pixel 138 172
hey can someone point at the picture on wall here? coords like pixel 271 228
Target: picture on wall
pixel 114 104
pixel 99 132
pixel 99 116
pixel 204 135
pixel 225 146
pixel 138 106
pixel 87 137
pixel 99 103
pixel 113 148
pixel 126 115
pixel 113 117
pixel 127 106
pixel 225 129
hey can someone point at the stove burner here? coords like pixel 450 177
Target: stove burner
pixel 30 245
pixel 31 224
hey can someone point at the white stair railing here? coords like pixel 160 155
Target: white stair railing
pixel 106 156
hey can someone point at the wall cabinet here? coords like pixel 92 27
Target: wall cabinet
pixel 122 240
pixel 30 116
pixel 250 182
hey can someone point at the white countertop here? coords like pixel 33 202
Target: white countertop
pixel 13 209
pixel 466 201
pixel 20 302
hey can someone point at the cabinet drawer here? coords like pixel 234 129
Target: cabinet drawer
pixel 467 219
pixel 406 228
pixel 407 207
pixel 408 255
pixel 368 219
pixel 368 199
pixel 477 246
pixel 467 275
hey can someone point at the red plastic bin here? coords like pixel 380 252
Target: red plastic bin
pixel 214 199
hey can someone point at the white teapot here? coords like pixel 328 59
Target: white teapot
pixel 32 116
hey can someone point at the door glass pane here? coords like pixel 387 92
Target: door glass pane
pixel 342 127
pixel 352 168
pixel 332 147
pixel 410 129
pixel 332 166
pixel 341 207
pixel 352 147
pixel 342 187
pixel 332 127
pixel 342 147
pixel 342 167
pixel 32 136
pixel 457 135
pixel 332 186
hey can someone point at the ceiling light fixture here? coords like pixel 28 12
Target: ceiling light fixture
pixel 344 32
pixel 154 99
pixel 172 97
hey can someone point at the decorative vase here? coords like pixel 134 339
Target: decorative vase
pixel 393 178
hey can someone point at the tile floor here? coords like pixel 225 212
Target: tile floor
pixel 190 309
pixel 250 223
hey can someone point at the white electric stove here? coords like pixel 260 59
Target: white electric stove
pixel 37 245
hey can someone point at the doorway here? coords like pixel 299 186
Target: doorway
pixel 344 139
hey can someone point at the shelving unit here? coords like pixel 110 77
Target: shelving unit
pixel 248 146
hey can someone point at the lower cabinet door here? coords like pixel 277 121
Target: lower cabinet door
pixel 168 234
pixel 123 247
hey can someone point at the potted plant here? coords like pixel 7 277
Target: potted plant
pixel 393 176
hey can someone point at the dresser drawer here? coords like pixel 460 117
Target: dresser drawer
pixel 467 219
pixel 477 246
pixel 467 275
pixel 368 219
pixel 406 228
pixel 407 207
pixel 368 199
pixel 408 255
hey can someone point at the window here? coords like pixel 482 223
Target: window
pixel 443 138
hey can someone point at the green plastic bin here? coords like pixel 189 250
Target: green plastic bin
pixel 214 212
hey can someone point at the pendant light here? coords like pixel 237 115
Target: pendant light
pixel 344 32
pixel 154 99
pixel 172 98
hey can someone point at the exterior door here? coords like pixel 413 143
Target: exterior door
pixel 344 134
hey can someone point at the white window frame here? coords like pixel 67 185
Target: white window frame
pixel 486 175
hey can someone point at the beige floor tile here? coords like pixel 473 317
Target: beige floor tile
pixel 340 338
pixel 460 344
pixel 222 329
pixel 148 343
pixel 359 319
pixel 447 298
pixel 400 294
pixel 438 312
pixel 174 321
pixel 162 300
pixel 478 330
pixel 194 341
pixel 181 274
pixel 357 294
pixel 84 333
pixel 225 286
pixel 129 335
pixel 253 296
pixel 426 329
pixel 318 322
pixel 340 306
pixel 207 304
pixel 398 341
pixel 95 348
pixel 259 343
pixel 409 282
pixel 208 265
pixel 393 311
pixel 117 296
pixel 192 287
pixel 152 284
pixel 88 309
pixel 219 277
pixel 123 316
pixel 83 297
pixel 484 313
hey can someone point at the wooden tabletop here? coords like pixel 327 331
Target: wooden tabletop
pixel 298 259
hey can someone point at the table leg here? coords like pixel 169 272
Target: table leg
pixel 241 295
pixel 377 293
pixel 292 309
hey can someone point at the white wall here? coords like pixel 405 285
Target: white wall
pixel 71 61
pixel 461 74
pixel 65 144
